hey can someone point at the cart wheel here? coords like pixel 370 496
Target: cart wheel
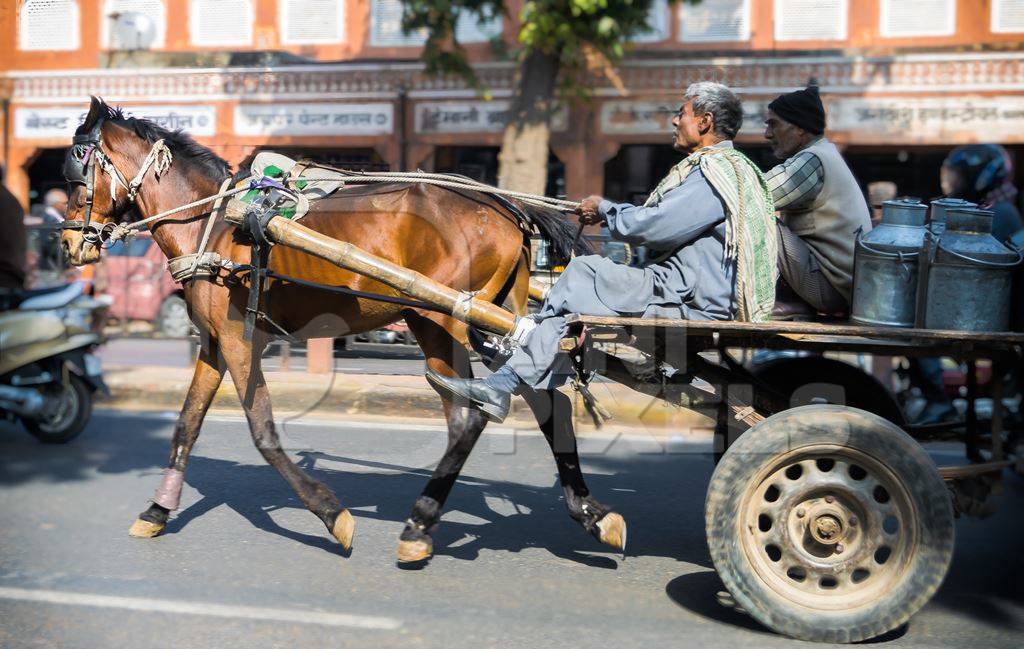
pixel 828 523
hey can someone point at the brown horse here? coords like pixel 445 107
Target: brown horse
pixel 465 240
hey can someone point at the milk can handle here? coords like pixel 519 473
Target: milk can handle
pixel 983 262
pixel 884 253
pixel 901 257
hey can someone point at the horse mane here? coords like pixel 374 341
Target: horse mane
pixel 558 231
pixel 180 143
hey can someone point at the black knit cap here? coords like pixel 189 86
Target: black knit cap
pixel 801 108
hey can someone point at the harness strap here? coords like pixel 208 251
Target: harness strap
pixel 214 213
pixel 198 266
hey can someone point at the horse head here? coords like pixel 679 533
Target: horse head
pixel 113 165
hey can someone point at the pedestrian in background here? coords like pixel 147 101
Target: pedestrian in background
pixel 12 241
pixel 983 174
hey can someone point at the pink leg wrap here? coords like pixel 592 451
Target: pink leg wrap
pixel 168 494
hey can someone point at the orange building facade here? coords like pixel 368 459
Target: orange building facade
pixel 903 80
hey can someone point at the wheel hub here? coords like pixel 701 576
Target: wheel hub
pixel 827 529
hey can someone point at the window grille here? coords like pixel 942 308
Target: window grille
pixel 49 25
pixel 221 23
pixel 471 29
pixel 1007 16
pixel 386 26
pixel 908 18
pixel 311 22
pixel 657 20
pixel 715 21
pixel 810 20
pixel 152 9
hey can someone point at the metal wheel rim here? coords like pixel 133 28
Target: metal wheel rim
pixel 66 412
pixel 830 555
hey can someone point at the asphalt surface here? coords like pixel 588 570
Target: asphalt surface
pixel 243 564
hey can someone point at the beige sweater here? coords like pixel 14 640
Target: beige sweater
pixel 829 224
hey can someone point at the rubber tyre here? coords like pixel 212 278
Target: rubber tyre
pixel 172 320
pixel 821 425
pixel 73 423
pixel 860 389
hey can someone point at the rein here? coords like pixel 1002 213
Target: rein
pixel 87 154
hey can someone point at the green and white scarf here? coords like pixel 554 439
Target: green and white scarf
pixel 749 223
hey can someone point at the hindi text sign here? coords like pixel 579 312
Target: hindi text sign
pixel 314 119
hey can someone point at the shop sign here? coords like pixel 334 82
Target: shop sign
pixel 314 119
pixel 888 119
pixel 655 117
pixel 51 123
pixel 471 117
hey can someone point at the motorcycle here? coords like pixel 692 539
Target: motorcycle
pixel 48 373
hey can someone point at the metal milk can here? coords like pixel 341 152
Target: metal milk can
pixel 885 266
pixel 970 278
pixel 937 222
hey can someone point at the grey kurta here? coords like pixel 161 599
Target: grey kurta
pixel 690 278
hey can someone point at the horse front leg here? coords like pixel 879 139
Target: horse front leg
pixel 243 361
pixel 207 378
pixel 437 337
pixel 553 411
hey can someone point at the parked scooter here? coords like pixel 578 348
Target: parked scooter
pixel 48 373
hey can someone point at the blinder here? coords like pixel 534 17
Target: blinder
pixel 80 169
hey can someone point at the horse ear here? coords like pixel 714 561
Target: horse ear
pixel 96 110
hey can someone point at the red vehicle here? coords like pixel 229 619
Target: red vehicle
pixel 134 274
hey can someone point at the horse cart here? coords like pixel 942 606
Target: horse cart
pixel 826 518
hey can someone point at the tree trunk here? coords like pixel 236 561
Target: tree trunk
pixel 523 162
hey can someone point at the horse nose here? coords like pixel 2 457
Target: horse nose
pixel 66 247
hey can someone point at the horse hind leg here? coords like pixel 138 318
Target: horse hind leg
pixel 439 336
pixel 553 411
pixel 243 361
pixel 209 373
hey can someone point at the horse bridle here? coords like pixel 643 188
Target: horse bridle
pixel 80 163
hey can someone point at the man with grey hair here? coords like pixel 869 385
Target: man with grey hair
pixel 56 202
pixel 710 220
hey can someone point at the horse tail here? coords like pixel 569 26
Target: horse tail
pixel 558 231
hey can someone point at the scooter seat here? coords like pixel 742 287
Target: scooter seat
pixel 51 298
pixel 21 328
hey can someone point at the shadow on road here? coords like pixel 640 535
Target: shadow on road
pixel 142 443
pixel 531 517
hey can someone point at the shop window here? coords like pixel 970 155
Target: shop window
pixel 657 20
pixel 221 23
pixel 715 21
pixel 908 18
pixel 312 22
pixel 49 25
pixel 810 20
pixel 1007 16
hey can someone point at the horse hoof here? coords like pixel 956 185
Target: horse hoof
pixel 412 551
pixel 344 529
pixel 144 529
pixel 613 531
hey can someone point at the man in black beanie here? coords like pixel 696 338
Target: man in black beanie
pixel 820 206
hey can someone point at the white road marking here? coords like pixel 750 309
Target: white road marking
pixel 207 609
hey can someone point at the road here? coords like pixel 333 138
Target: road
pixel 243 564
